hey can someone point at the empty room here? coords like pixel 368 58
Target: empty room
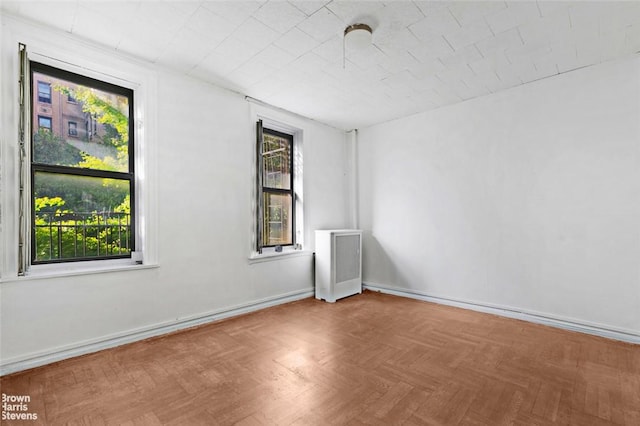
pixel 320 212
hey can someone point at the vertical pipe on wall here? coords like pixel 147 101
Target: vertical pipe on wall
pixel 22 131
pixel 352 177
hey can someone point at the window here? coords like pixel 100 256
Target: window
pixel 82 193
pixel 276 215
pixel 44 92
pixel 73 128
pixel 44 123
pixel 70 98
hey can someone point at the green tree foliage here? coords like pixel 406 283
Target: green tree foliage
pixel 125 206
pixel 49 148
pixel 107 163
pixel 48 205
pixel 81 194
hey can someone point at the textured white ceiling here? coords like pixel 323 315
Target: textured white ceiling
pixel 290 53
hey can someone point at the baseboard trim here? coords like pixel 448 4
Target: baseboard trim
pixel 33 360
pixel 510 312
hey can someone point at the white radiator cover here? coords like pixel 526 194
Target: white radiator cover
pixel 338 263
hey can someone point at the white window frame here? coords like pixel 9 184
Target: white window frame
pixel 53 48
pixel 285 123
pixel 75 128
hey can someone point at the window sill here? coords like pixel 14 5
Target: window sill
pixel 38 272
pixel 272 255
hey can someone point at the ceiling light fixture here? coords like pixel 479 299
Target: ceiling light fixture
pixel 356 37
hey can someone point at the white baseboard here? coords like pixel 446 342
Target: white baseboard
pixel 628 336
pixel 105 342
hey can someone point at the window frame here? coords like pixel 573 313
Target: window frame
pixel 268 116
pixel 280 191
pixel 40 99
pixel 53 47
pixel 50 128
pixel 75 128
pixel 129 176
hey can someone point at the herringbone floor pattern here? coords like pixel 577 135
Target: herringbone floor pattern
pixel 369 359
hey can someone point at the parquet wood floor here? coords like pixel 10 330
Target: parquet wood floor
pixel 371 359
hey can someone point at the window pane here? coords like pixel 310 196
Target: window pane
pixel 277 219
pixel 44 123
pixel 73 129
pixel 80 217
pixel 276 154
pixel 44 92
pixel 101 136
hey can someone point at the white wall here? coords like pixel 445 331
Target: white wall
pixel 528 199
pixel 204 154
